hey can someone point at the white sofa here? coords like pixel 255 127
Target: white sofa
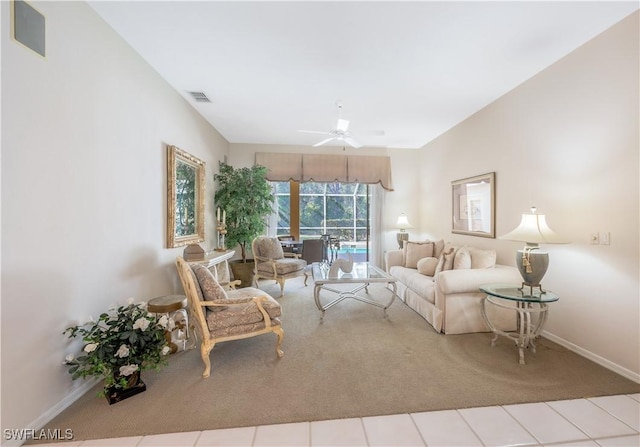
pixel 441 283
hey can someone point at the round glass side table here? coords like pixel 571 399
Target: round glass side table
pixel 174 306
pixel 531 307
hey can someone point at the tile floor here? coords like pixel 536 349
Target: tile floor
pixel 601 421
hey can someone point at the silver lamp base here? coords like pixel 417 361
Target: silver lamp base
pixel 401 237
pixel 532 265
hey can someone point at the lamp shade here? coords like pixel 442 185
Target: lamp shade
pixel 531 261
pixel 403 222
pixel 533 229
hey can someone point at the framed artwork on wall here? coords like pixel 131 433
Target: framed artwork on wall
pixel 473 206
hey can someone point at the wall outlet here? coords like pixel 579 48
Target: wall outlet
pixel 595 238
pixel 605 238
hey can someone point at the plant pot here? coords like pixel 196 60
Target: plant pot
pixel 243 271
pixel 134 386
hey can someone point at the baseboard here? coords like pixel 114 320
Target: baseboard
pixel 48 415
pixel 593 357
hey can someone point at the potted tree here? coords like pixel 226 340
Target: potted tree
pixel 245 196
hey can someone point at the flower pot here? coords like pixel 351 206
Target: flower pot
pixel 243 271
pixel 134 386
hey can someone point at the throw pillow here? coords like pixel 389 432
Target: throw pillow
pixel 449 253
pixel 211 289
pixel 427 266
pixel 438 246
pixel 449 257
pixel 414 251
pixel 482 259
pixel 462 260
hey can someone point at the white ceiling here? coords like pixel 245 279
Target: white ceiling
pixel 412 69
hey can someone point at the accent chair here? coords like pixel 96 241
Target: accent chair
pixel 271 262
pixel 224 315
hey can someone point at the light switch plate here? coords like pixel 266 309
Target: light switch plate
pixel 605 238
pixel 595 238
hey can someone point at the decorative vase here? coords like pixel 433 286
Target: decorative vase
pixel 347 265
pixel 134 386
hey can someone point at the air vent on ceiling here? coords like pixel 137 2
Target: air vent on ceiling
pixel 199 97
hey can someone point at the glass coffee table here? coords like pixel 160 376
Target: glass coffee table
pixel 362 274
pixel 526 304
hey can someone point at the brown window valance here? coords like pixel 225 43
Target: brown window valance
pixel 366 169
pixel 282 166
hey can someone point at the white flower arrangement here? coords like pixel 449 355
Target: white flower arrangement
pixel 123 341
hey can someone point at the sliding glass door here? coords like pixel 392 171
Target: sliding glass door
pixel 340 210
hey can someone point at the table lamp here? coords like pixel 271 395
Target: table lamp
pixel 532 262
pixel 402 224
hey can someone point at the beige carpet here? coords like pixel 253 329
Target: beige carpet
pixel 355 363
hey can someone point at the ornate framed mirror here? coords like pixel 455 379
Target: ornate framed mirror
pixel 185 198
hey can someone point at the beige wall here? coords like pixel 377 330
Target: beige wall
pixel 565 141
pixel 83 195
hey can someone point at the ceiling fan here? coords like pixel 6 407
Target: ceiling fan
pixel 341 133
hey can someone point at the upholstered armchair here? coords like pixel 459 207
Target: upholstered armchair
pixel 271 263
pixel 223 315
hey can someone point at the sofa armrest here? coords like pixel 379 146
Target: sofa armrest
pixel 393 257
pixel 470 280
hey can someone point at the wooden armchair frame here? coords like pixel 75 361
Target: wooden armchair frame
pixel 198 309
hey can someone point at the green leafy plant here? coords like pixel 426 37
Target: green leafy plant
pixel 123 341
pixel 246 197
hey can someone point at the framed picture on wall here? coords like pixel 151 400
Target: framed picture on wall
pixel 473 206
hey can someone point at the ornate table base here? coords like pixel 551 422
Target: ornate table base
pixel 532 310
pixel 528 328
pixel 362 275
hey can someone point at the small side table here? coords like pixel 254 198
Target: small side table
pixel 174 306
pixel 527 303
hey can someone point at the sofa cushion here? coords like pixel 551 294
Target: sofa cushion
pixel 414 251
pixel 445 261
pixel 449 256
pixel 244 312
pixel 482 259
pixel 283 266
pixel 438 246
pixel 422 285
pixel 427 266
pixel 462 259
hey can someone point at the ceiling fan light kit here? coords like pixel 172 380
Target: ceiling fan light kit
pixel 341 133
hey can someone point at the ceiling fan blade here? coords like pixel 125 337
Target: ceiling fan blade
pixel 323 142
pixel 343 125
pixel 316 132
pixel 353 143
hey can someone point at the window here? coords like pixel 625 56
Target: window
pixel 338 209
